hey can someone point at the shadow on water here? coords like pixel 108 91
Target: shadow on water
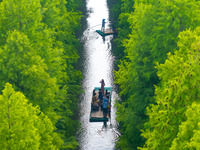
pixel 96 63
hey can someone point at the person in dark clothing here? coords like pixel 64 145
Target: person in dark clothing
pixel 106 92
pixel 102 86
pixel 94 93
pixel 100 94
pixel 103 25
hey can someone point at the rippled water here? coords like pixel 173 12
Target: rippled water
pixel 97 63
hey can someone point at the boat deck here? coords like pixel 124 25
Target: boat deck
pixel 96 114
pixel 106 32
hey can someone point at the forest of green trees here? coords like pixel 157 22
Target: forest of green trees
pixel 158 73
pixel 39 81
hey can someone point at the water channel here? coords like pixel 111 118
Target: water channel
pixel 97 63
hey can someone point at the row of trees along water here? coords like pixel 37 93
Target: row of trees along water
pixel 158 73
pixel 38 78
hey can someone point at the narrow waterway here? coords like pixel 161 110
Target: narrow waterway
pixel 96 63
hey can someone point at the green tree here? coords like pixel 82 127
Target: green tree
pixel 39 54
pixel 136 77
pixel 180 78
pixel 155 26
pixel 21 15
pixel 65 46
pixel 23 126
pixel 189 131
pixel 172 18
pixel 22 67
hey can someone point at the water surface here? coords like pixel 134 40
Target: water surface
pixel 96 63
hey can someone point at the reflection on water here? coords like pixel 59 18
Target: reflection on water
pixel 97 64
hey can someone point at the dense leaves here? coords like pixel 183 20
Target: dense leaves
pixel 22 67
pixel 155 26
pixel 180 76
pixel 23 126
pixel 38 56
pixel 188 136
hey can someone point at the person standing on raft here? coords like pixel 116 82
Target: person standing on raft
pixel 103 25
pixel 102 86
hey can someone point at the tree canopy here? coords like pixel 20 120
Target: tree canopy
pixel 24 126
pixel 38 56
pixel 155 32
pixel 177 91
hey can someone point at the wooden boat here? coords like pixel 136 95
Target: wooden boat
pixel 107 32
pixel 96 113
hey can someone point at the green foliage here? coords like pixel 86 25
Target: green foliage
pixel 188 135
pixel 127 6
pixel 39 55
pixel 23 126
pixel 21 15
pixel 115 8
pixel 155 26
pixel 65 24
pixel 180 78
pixel 173 17
pixel 21 67
pixel 123 32
pixel 72 5
pixel 136 77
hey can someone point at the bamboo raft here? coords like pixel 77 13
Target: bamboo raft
pixel 107 32
pixel 96 113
